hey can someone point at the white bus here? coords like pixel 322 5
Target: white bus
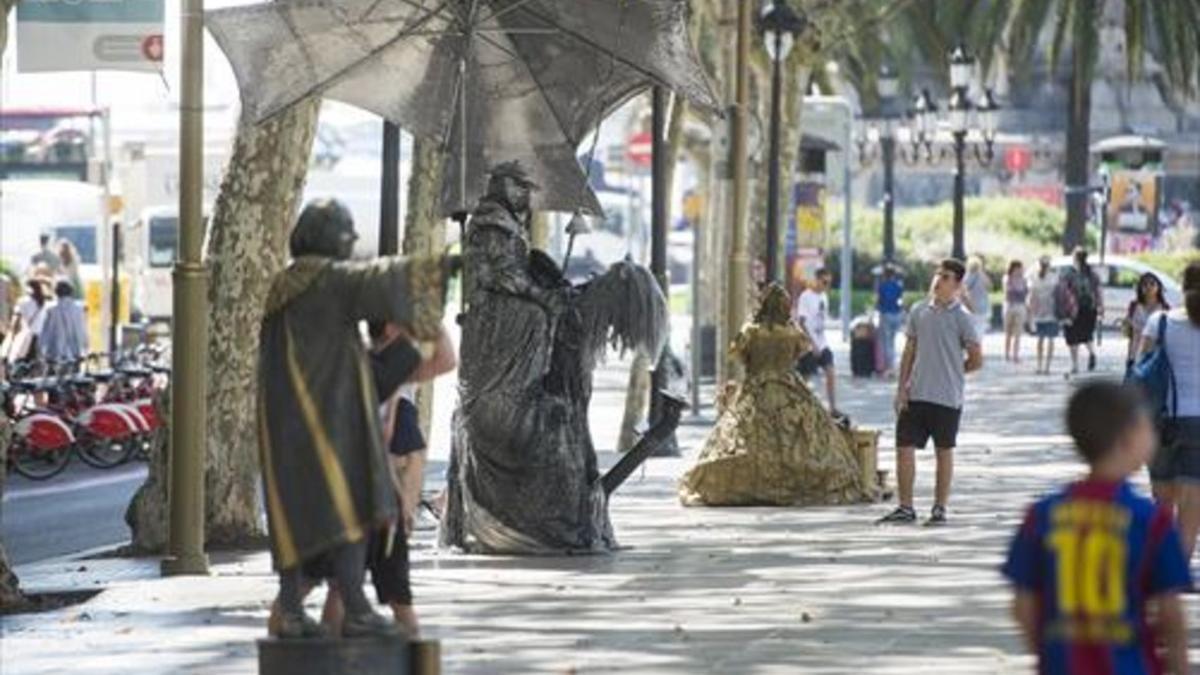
pixel 150 249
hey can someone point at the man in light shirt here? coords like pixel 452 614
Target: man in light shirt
pixel 810 313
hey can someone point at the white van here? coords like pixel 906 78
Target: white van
pixel 150 250
pixel 63 209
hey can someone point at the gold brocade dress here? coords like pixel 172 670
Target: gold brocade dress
pixel 774 443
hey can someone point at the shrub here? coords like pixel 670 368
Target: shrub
pixel 998 229
pixel 1170 263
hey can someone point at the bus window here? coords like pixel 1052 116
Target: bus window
pixel 164 238
pixel 83 238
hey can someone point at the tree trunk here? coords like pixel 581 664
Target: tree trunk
pixel 146 514
pixel 247 245
pixel 1079 118
pixel 10 587
pixel 425 231
pixel 637 395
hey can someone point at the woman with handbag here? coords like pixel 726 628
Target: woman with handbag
pixel 27 322
pixel 1175 469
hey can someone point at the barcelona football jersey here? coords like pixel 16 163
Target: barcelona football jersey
pixel 1094 553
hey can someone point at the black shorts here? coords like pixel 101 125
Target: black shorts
pixel 1178 454
pixel 389 572
pixel 922 420
pixel 814 361
pixel 407 437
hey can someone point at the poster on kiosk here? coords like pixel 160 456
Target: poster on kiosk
pixel 1132 169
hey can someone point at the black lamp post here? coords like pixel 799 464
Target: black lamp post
pixel 889 85
pixel 959 112
pixel 779 25
pixel 962 117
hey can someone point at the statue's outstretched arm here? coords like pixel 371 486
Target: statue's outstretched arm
pixel 409 291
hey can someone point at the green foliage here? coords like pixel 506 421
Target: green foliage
pixel 7 270
pixel 998 229
pixel 1170 263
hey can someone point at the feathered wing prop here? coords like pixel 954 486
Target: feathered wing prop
pixel 623 308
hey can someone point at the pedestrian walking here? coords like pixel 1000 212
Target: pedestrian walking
pixel 888 297
pixel 397 366
pixel 64 334
pixel 1016 310
pixel 45 255
pixel 1082 303
pixel 1175 470
pixel 1042 311
pixel 929 396
pixel 1097 569
pixel 811 314
pixel 978 285
pixel 69 257
pixel 27 322
pixel 1149 300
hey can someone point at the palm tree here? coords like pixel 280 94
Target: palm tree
pixel 1170 29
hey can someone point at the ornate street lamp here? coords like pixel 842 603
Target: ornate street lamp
pixel 963 116
pixel 962 64
pixel 889 87
pixel 923 127
pixel 779 25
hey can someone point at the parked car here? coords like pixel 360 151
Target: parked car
pixel 1119 277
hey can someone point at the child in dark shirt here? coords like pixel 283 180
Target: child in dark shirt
pixel 1091 560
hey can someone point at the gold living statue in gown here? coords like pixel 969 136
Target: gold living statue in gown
pixel 774 443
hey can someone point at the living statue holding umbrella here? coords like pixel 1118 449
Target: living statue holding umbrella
pixel 523 475
pixel 495 81
pixel 325 474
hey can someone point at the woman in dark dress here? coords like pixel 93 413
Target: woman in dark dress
pixel 1084 284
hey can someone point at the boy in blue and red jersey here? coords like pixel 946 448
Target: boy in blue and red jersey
pixel 1090 560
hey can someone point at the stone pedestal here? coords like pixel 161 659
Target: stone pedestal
pixel 329 656
pixel 866 448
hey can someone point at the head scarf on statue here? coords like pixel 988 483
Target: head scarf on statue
pixel 325 229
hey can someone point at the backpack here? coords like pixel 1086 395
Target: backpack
pixel 1154 375
pixel 1066 303
pixel 1085 291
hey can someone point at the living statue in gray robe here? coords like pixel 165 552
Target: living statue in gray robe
pixel 523 475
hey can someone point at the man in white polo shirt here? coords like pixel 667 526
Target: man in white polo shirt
pixel 929 397
pixel 810 312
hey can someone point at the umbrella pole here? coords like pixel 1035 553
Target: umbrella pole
pixel 389 198
pixel 462 134
pixel 462 214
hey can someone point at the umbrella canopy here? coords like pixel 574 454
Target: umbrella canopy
pixel 494 80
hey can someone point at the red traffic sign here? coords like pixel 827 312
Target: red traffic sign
pixel 641 149
pixel 1018 159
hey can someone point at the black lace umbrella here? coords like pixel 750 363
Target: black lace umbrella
pixel 493 80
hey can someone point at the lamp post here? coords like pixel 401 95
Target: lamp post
pixel 959 113
pixel 963 116
pixel 189 331
pixel 779 24
pixel 889 85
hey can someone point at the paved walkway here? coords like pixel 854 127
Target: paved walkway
pixel 750 590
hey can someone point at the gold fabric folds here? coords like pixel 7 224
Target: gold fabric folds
pixel 774 443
